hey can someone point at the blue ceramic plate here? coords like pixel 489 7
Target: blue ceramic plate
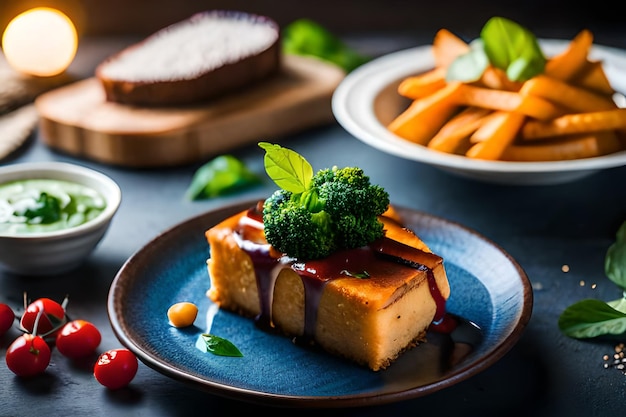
pixel 489 290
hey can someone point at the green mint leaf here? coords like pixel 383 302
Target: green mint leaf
pixel 469 67
pixel 220 346
pixel 591 318
pixel 522 69
pixel 512 48
pixel 222 175
pixel 505 45
pixel 615 261
pixel 287 168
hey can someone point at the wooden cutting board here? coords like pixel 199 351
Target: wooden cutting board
pixel 77 119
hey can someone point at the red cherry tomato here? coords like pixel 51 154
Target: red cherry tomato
pixel 77 339
pixel 28 355
pixel 49 322
pixel 115 368
pixel 7 316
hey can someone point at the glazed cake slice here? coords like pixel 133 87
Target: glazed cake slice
pixel 368 304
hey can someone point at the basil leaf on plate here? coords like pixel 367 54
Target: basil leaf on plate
pixel 220 346
pixel 504 44
pixel 512 48
pixel 287 168
pixel 469 67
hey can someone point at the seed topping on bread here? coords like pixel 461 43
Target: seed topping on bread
pixel 207 55
pixel 187 49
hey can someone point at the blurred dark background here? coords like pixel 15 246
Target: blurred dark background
pixel 547 18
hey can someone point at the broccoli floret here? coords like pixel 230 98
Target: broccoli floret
pixel 353 204
pixel 355 231
pixel 348 191
pixel 335 209
pixel 292 229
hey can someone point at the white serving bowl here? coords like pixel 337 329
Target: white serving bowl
pixel 367 100
pixel 58 251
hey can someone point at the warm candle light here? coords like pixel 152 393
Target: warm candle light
pixel 41 41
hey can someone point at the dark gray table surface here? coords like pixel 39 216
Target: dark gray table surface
pixel 542 227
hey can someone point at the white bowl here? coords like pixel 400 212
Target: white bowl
pixel 58 251
pixel 367 100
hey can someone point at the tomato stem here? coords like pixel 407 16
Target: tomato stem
pixel 65 301
pixel 39 313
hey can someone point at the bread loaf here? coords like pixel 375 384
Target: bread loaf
pixel 200 58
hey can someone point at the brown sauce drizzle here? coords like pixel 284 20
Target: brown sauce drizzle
pixel 402 254
pixel 316 273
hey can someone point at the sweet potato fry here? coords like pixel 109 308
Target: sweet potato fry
pixel 592 77
pixel 569 124
pixel 421 85
pixel 510 101
pixel 458 128
pixel 568 63
pixel 568 96
pixel 504 133
pixel 566 112
pixel 571 147
pixel 424 117
pixel 496 79
pixel 447 47
pixel 488 127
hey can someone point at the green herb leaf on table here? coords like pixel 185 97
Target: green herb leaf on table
pixel 288 169
pixel 220 346
pixel 615 262
pixel 222 175
pixel 592 318
pixel 306 37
